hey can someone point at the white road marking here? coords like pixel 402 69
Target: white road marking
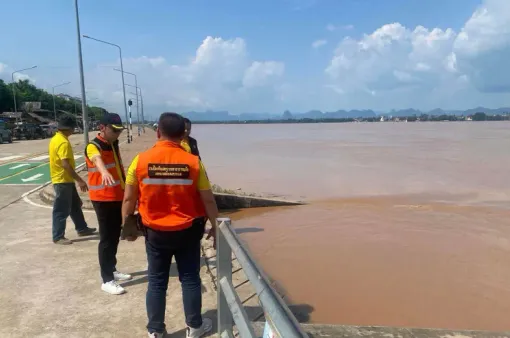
pixel 19 166
pixel 28 193
pixel 8 158
pixel 39 158
pixel 45 157
pixel 31 178
pixel 27 200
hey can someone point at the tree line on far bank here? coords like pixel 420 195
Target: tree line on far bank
pixel 414 118
pixel 27 92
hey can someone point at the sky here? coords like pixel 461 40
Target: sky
pixel 267 56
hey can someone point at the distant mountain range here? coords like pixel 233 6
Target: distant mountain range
pixel 339 114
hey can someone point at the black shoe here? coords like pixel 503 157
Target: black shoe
pixel 87 232
pixel 63 241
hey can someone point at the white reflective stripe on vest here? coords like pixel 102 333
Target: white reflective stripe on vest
pixel 167 181
pixel 102 186
pixel 107 166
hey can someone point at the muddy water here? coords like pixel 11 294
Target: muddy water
pixel 408 224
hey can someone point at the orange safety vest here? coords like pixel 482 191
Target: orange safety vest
pixel 98 191
pixel 168 198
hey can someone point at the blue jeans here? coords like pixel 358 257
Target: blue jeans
pixel 67 203
pixel 161 246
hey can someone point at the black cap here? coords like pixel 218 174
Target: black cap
pixel 111 119
pixel 66 123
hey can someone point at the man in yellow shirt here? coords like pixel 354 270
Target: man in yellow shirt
pixel 63 176
pixel 189 143
pixel 174 196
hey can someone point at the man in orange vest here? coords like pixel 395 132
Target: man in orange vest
pixel 106 180
pixel 174 196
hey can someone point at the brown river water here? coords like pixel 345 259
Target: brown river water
pixel 407 224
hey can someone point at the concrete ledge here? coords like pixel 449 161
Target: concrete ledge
pixel 232 201
pixel 318 330
pixel 224 201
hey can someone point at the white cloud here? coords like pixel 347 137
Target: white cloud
pixel 3 67
pixel 319 43
pixel 424 66
pixel 331 27
pixel 221 75
pixel 482 48
pixel 261 74
pixel 22 77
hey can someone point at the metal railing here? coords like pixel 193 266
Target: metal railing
pixel 280 322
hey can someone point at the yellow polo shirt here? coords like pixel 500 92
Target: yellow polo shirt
pixel 202 183
pixel 185 146
pixel 59 149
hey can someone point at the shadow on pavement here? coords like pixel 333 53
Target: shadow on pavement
pixel 86 238
pixel 301 311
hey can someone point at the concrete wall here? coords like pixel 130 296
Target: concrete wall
pixel 224 201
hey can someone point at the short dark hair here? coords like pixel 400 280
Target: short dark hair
pixel 187 121
pixel 171 125
pixel 66 123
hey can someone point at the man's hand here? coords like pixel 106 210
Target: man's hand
pixel 83 185
pixel 212 233
pixel 107 179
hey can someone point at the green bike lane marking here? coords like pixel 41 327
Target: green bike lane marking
pixel 10 169
pixel 24 173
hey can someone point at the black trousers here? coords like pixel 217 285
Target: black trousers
pixel 184 245
pixel 109 217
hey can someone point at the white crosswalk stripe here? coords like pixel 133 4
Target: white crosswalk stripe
pixel 45 157
pixel 8 158
pixel 39 158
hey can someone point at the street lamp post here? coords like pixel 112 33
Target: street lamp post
pixel 138 115
pixel 143 116
pixel 122 73
pixel 85 118
pixel 141 102
pixel 14 87
pixel 136 85
pixel 53 90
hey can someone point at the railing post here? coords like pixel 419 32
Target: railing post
pixel 223 270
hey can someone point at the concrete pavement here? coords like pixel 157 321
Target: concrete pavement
pixel 48 290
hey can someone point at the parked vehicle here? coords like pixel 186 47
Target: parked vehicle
pixel 49 129
pixel 30 131
pixel 78 130
pixel 5 133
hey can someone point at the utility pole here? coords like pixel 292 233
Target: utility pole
pixel 122 74
pixel 14 89
pixel 84 113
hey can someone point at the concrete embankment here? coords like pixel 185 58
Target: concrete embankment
pixel 224 201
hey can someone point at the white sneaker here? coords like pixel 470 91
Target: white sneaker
pixel 201 331
pixel 119 276
pixel 157 335
pixel 112 288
